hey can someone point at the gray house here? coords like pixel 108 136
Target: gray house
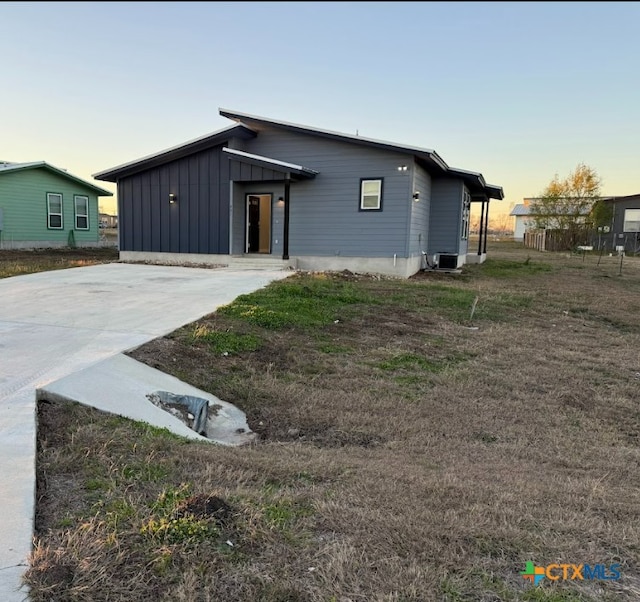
pixel 624 232
pixel 317 199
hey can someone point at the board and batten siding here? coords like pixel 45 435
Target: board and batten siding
pixel 23 200
pixel 445 217
pixel 198 222
pixel 325 219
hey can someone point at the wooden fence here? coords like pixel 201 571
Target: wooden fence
pixel 556 240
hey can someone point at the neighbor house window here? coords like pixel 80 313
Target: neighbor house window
pixel 371 195
pixel 466 210
pixel 631 220
pixel 54 211
pixel 82 212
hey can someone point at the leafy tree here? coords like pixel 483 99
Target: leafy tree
pixel 601 214
pixel 568 204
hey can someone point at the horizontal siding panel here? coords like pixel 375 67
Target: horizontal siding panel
pixel 23 199
pixel 446 208
pixel 325 216
pixel 419 229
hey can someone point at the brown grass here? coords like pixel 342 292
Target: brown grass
pixel 403 455
pixel 18 262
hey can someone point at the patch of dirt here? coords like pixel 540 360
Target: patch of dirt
pixel 205 506
pixel 67 254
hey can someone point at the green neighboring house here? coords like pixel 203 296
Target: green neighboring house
pixel 43 206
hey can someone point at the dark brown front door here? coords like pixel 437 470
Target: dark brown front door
pixel 258 223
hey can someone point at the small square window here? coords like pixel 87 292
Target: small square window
pixel 371 195
pixel 54 211
pixel 82 212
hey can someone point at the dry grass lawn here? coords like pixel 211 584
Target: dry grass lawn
pixel 17 262
pixel 407 452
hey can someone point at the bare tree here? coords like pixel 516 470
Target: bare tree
pixel 501 224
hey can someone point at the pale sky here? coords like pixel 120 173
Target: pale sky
pixel 518 91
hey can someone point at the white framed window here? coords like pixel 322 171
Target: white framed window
pixel 82 212
pixel 54 211
pixel 466 211
pixel 371 194
pixel 631 220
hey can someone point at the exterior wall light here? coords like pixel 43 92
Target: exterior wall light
pixel 416 196
pixel 280 200
pixel 172 198
pixel 402 168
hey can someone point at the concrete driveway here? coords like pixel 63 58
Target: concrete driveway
pixel 53 324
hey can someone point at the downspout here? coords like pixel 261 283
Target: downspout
pixel 231 193
pixel 285 236
pixel 486 227
pixel 119 204
pixel 481 230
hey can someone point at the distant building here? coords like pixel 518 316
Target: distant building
pixel 44 206
pixel 108 221
pixel 521 214
pixel 625 223
pixel 524 222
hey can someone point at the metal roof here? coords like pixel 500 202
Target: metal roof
pixel 615 199
pixel 520 209
pixel 6 167
pixel 557 209
pixel 175 152
pixel 271 163
pixel 245 127
pixel 433 161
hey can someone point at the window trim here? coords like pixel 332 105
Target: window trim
pixel 466 214
pixel 50 214
pixel 75 209
pixel 625 220
pixel 360 205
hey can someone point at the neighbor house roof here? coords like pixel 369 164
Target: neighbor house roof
pixel 530 203
pixel 621 198
pixel 475 181
pixel 237 130
pixel 7 167
pixel 520 209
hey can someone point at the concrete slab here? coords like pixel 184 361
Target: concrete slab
pixel 53 324
pixel 120 385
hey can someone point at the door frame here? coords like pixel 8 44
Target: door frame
pixel 246 221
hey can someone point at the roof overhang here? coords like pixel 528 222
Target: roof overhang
pixel 480 191
pixel 14 167
pixel 429 159
pixel 296 171
pixel 614 199
pixel 237 130
pixel 434 161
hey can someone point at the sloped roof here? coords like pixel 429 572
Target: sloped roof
pixel 271 163
pixel 520 209
pixel 7 167
pixel 474 180
pixel 526 209
pixel 615 199
pixel 175 152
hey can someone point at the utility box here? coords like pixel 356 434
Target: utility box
pixel 447 261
